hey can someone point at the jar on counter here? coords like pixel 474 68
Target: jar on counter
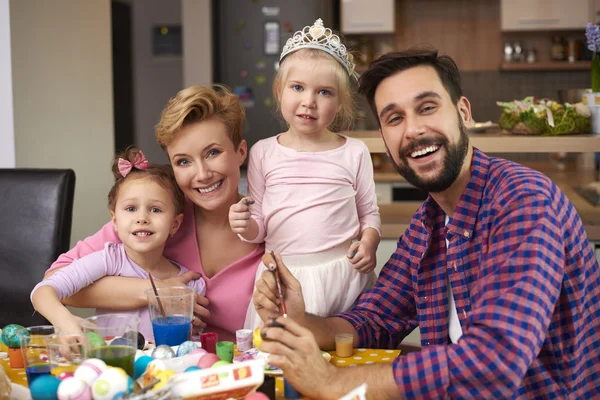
pixel 531 55
pixel 573 50
pixel 557 51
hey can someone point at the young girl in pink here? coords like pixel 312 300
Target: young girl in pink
pixel 311 190
pixel 146 208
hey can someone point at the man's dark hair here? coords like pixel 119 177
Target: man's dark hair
pixel 392 63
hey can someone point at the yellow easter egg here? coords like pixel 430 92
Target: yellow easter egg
pixel 256 338
pixel 163 377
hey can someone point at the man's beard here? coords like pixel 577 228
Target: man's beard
pixel 452 163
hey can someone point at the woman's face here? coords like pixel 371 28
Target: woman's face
pixel 206 165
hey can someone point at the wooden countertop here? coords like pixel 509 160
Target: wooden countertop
pixel 395 217
pixel 494 141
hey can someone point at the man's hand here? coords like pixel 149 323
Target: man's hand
pixel 239 215
pixel 294 349
pixel 266 295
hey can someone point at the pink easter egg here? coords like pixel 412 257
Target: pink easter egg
pixel 199 350
pixel 64 375
pixel 208 360
pixel 256 396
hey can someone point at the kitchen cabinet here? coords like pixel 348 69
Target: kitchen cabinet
pixel 367 16
pixel 532 15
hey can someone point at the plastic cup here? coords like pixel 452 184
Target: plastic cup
pixel 225 351
pixel 175 325
pixel 110 327
pixel 344 345
pixel 34 350
pixel 209 341
pixel 66 352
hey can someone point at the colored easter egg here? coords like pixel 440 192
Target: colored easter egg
pixel 9 335
pixel 111 384
pixel 185 348
pixel 65 374
pixel 163 352
pixel 141 342
pixel 95 340
pixel 208 360
pixel 121 341
pixel 256 338
pixel 89 370
pixel 138 354
pixel 192 368
pixel 256 396
pixel 130 384
pixel 74 389
pixel 140 365
pixel 44 387
pixel 198 350
pixel 220 363
pixel 163 377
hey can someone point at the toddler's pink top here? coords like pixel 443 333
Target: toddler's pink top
pixel 307 202
pixel 229 291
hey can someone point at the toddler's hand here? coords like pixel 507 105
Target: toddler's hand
pixel 239 215
pixel 69 325
pixel 362 257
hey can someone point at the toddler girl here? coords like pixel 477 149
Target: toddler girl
pixel 311 190
pixel 146 208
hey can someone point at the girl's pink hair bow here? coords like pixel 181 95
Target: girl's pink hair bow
pixel 139 162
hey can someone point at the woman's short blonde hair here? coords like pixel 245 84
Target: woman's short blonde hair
pixel 198 103
pixel 346 86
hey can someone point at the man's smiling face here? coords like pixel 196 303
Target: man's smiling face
pixel 422 128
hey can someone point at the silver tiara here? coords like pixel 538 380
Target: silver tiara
pixel 320 38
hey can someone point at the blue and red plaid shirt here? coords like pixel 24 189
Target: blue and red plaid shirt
pixel 526 285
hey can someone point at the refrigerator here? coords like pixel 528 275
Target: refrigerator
pixel 248 36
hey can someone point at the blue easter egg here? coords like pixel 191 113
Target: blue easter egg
pixel 44 388
pixel 185 347
pixel 130 385
pixel 140 365
pixel 121 341
pixel 192 368
pixel 9 335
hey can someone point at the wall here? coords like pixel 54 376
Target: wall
pixel 62 89
pixel 7 138
pixel 197 42
pixel 156 80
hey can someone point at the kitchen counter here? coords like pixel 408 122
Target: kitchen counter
pixel 493 141
pixel 395 217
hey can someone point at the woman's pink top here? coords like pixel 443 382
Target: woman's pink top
pixel 229 291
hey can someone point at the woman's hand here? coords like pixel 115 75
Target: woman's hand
pixel 294 349
pixel 201 313
pixel 266 296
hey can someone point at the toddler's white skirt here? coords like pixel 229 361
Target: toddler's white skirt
pixel 330 284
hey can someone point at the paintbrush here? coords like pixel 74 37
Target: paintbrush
pixel 160 306
pixel 279 286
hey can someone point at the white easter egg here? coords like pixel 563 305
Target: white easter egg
pixel 89 370
pixel 74 389
pixel 111 384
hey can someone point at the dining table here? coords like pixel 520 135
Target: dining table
pixel 360 356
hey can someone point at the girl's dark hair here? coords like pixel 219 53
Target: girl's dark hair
pixel 392 63
pixel 161 174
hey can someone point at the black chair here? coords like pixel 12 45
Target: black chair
pixel 36 209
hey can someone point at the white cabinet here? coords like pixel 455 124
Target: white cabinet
pixel 530 15
pixel 367 16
